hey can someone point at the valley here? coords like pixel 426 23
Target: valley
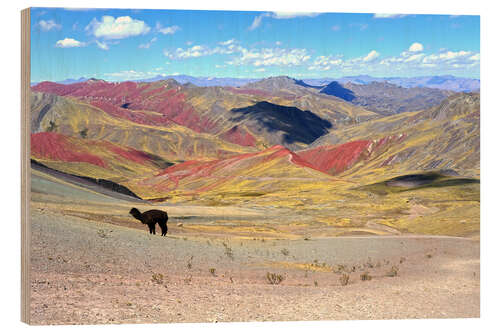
pixel 273 184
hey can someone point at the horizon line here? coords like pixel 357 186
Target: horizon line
pixel 258 78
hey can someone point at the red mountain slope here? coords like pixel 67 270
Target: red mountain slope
pixel 50 147
pixel 275 163
pixel 339 158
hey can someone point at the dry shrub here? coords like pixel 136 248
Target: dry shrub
pixel 394 271
pixel 157 278
pixel 274 278
pixel 344 279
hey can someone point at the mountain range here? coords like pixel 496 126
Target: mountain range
pixel 444 82
pixel 265 140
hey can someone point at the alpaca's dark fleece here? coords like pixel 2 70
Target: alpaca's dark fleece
pixel 151 217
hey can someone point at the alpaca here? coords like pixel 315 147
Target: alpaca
pixel 151 217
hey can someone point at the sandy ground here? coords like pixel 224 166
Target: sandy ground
pixel 92 263
pixel 90 273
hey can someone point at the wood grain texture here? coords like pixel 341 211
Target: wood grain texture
pixel 25 170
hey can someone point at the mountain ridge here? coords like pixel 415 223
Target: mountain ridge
pixel 445 82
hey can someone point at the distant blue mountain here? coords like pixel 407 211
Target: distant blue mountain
pixel 67 81
pixel 444 82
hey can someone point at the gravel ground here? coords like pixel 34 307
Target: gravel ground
pixel 92 273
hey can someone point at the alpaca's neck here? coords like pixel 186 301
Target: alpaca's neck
pixel 138 215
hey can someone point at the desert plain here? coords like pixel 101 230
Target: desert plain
pixel 92 263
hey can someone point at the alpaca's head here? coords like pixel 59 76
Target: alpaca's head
pixel 135 213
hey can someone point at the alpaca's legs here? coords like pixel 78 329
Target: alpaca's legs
pixel 163 227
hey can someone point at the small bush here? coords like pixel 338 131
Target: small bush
pixel 393 271
pixel 157 278
pixel 285 252
pixel 228 251
pixel 339 268
pixel 84 132
pixel 369 264
pixel 52 126
pixel 274 278
pixel 212 271
pixel 365 276
pixel 344 279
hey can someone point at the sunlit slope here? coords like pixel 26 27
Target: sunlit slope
pixel 443 137
pixel 335 159
pixel 274 170
pixel 170 141
pixel 290 92
pixel 92 158
pixel 208 109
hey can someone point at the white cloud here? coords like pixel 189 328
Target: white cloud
pixel 289 15
pixel 134 75
pixel 279 15
pixel 361 26
pixel 336 27
pixel 167 30
pixel 415 57
pixel 102 45
pixel 411 60
pixel 257 21
pixel 475 57
pixel 444 60
pixel 121 27
pixel 416 47
pixel 228 42
pixel 192 52
pixel 371 56
pixel 388 15
pixel 271 57
pixel 257 57
pixel 49 25
pixel 325 63
pixel 148 44
pixel 69 42
pixel 225 47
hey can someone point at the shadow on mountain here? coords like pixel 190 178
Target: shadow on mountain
pixel 102 186
pixel 337 90
pixel 297 125
pixel 418 181
pixel 303 84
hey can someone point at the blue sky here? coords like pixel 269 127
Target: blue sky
pixel 122 44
